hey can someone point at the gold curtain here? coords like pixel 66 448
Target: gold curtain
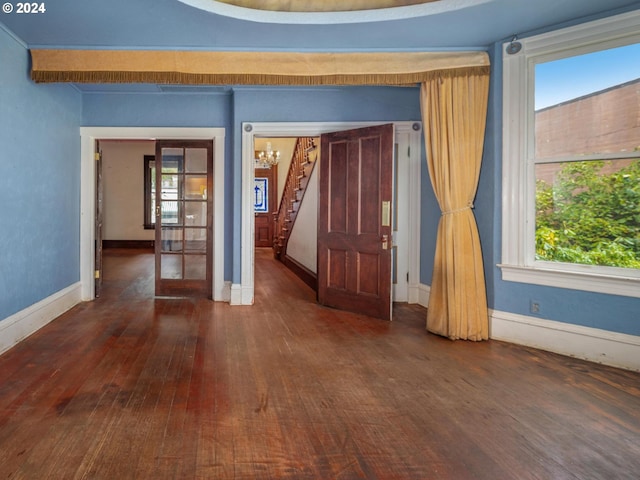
pixel 454 109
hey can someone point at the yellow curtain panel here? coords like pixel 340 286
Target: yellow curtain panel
pixel 246 68
pixel 454 111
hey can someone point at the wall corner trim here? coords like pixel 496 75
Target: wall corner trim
pixel 20 325
pixel 592 344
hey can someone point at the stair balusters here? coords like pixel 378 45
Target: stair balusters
pixel 302 163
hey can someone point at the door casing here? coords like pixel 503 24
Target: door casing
pixel 88 137
pixel 409 133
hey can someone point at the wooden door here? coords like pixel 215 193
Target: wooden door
pixel 354 222
pixel 265 204
pixel 99 220
pixel 184 218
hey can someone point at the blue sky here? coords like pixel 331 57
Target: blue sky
pixel 573 77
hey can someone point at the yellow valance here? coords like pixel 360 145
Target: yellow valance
pixel 246 68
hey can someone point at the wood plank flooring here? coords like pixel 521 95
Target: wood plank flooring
pixel 136 387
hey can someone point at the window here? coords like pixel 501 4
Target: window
pixel 571 158
pixel 171 186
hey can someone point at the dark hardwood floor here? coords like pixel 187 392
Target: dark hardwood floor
pixel 136 387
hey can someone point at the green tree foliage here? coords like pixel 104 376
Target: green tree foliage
pixel 591 215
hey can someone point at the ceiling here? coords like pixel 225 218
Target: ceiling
pixel 321 5
pixel 192 24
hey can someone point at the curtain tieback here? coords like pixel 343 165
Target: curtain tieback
pixel 458 210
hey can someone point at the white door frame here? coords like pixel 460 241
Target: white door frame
pixel 88 137
pixel 411 132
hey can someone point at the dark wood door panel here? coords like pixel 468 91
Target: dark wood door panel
pixel 264 222
pixel 356 175
pixel 337 188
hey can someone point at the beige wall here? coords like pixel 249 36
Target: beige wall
pixel 285 146
pixel 123 189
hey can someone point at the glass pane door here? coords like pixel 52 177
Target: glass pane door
pixel 183 220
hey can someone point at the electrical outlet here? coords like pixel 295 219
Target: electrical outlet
pixel 535 307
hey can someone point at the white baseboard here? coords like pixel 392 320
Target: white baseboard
pixel 600 346
pixel 224 295
pixel 235 297
pixel 247 295
pixel 420 294
pixel 241 295
pixel 20 325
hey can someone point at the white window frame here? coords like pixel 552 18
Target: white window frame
pixel 518 175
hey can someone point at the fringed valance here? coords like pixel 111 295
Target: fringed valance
pixel 246 68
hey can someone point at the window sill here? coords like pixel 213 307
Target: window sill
pixel 582 278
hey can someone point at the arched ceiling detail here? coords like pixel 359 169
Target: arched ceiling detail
pixel 322 5
pixel 328 12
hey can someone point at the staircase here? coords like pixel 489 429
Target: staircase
pixel 302 163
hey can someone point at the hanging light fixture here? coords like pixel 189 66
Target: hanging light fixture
pixel 269 156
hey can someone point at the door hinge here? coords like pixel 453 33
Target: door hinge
pixel 97 156
pixel 96 274
pixel 408 151
pixel 407 277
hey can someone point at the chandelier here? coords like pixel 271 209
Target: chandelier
pixel 269 156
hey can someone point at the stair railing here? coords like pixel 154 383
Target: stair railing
pixel 302 163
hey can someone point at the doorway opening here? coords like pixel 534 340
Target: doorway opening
pixel 407 164
pixel 89 136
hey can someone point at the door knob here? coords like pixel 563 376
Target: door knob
pixel 385 242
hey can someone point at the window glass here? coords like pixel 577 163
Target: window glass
pixel 586 150
pixel 589 212
pixel 149 192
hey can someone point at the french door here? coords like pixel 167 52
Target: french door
pixel 183 217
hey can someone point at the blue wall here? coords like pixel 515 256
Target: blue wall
pixel 155 110
pixel 39 183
